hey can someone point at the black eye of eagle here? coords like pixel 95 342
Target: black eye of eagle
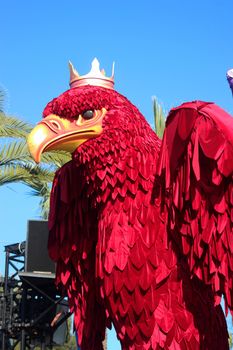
pixel 88 114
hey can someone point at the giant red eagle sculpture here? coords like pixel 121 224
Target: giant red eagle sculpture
pixel 140 229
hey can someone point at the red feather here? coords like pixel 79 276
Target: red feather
pixel 148 250
pixel 209 220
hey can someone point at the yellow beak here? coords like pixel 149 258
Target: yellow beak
pixel 55 133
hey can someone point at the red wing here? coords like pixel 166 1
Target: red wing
pixel 72 245
pixel 196 164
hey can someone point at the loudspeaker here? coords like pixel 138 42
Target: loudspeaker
pixel 36 254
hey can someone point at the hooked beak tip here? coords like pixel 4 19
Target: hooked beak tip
pixel 36 140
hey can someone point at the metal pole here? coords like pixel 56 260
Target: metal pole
pixel 23 333
pixel 5 300
pixel 43 343
pixel 23 342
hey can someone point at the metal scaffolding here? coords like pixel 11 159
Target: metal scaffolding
pixel 29 304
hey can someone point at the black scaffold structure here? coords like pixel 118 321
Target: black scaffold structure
pixel 33 312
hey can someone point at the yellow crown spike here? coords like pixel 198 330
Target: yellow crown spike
pixel 113 70
pixel 73 73
pixel 95 77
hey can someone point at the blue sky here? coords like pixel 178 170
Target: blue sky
pixel 175 50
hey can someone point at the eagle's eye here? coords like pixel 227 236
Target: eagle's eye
pixel 88 114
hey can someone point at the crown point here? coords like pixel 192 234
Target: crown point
pixel 95 77
pixel 113 69
pixel 73 73
pixel 72 69
pixel 95 62
pixel 95 66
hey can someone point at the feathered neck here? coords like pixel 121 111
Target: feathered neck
pixel 119 160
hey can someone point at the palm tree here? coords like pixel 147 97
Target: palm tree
pixel 159 117
pixel 17 165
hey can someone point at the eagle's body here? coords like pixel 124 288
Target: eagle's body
pixel 141 231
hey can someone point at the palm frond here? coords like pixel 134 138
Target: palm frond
pixel 16 163
pixel 35 177
pixel 230 341
pixel 13 127
pixel 12 173
pixel 2 100
pixel 44 193
pixel 40 174
pixel 44 206
pixel 58 158
pixel 41 186
pixel 14 151
pixel 159 118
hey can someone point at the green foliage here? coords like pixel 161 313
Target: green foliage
pixel 159 118
pixel 13 127
pixel 230 341
pixel 2 100
pixel 17 165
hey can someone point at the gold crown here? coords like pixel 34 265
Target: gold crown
pixel 94 77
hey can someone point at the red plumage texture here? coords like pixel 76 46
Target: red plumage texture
pixel 142 230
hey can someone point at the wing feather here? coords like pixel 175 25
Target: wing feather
pixel 72 243
pixel 195 167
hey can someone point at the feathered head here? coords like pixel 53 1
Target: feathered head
pixel 83 112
